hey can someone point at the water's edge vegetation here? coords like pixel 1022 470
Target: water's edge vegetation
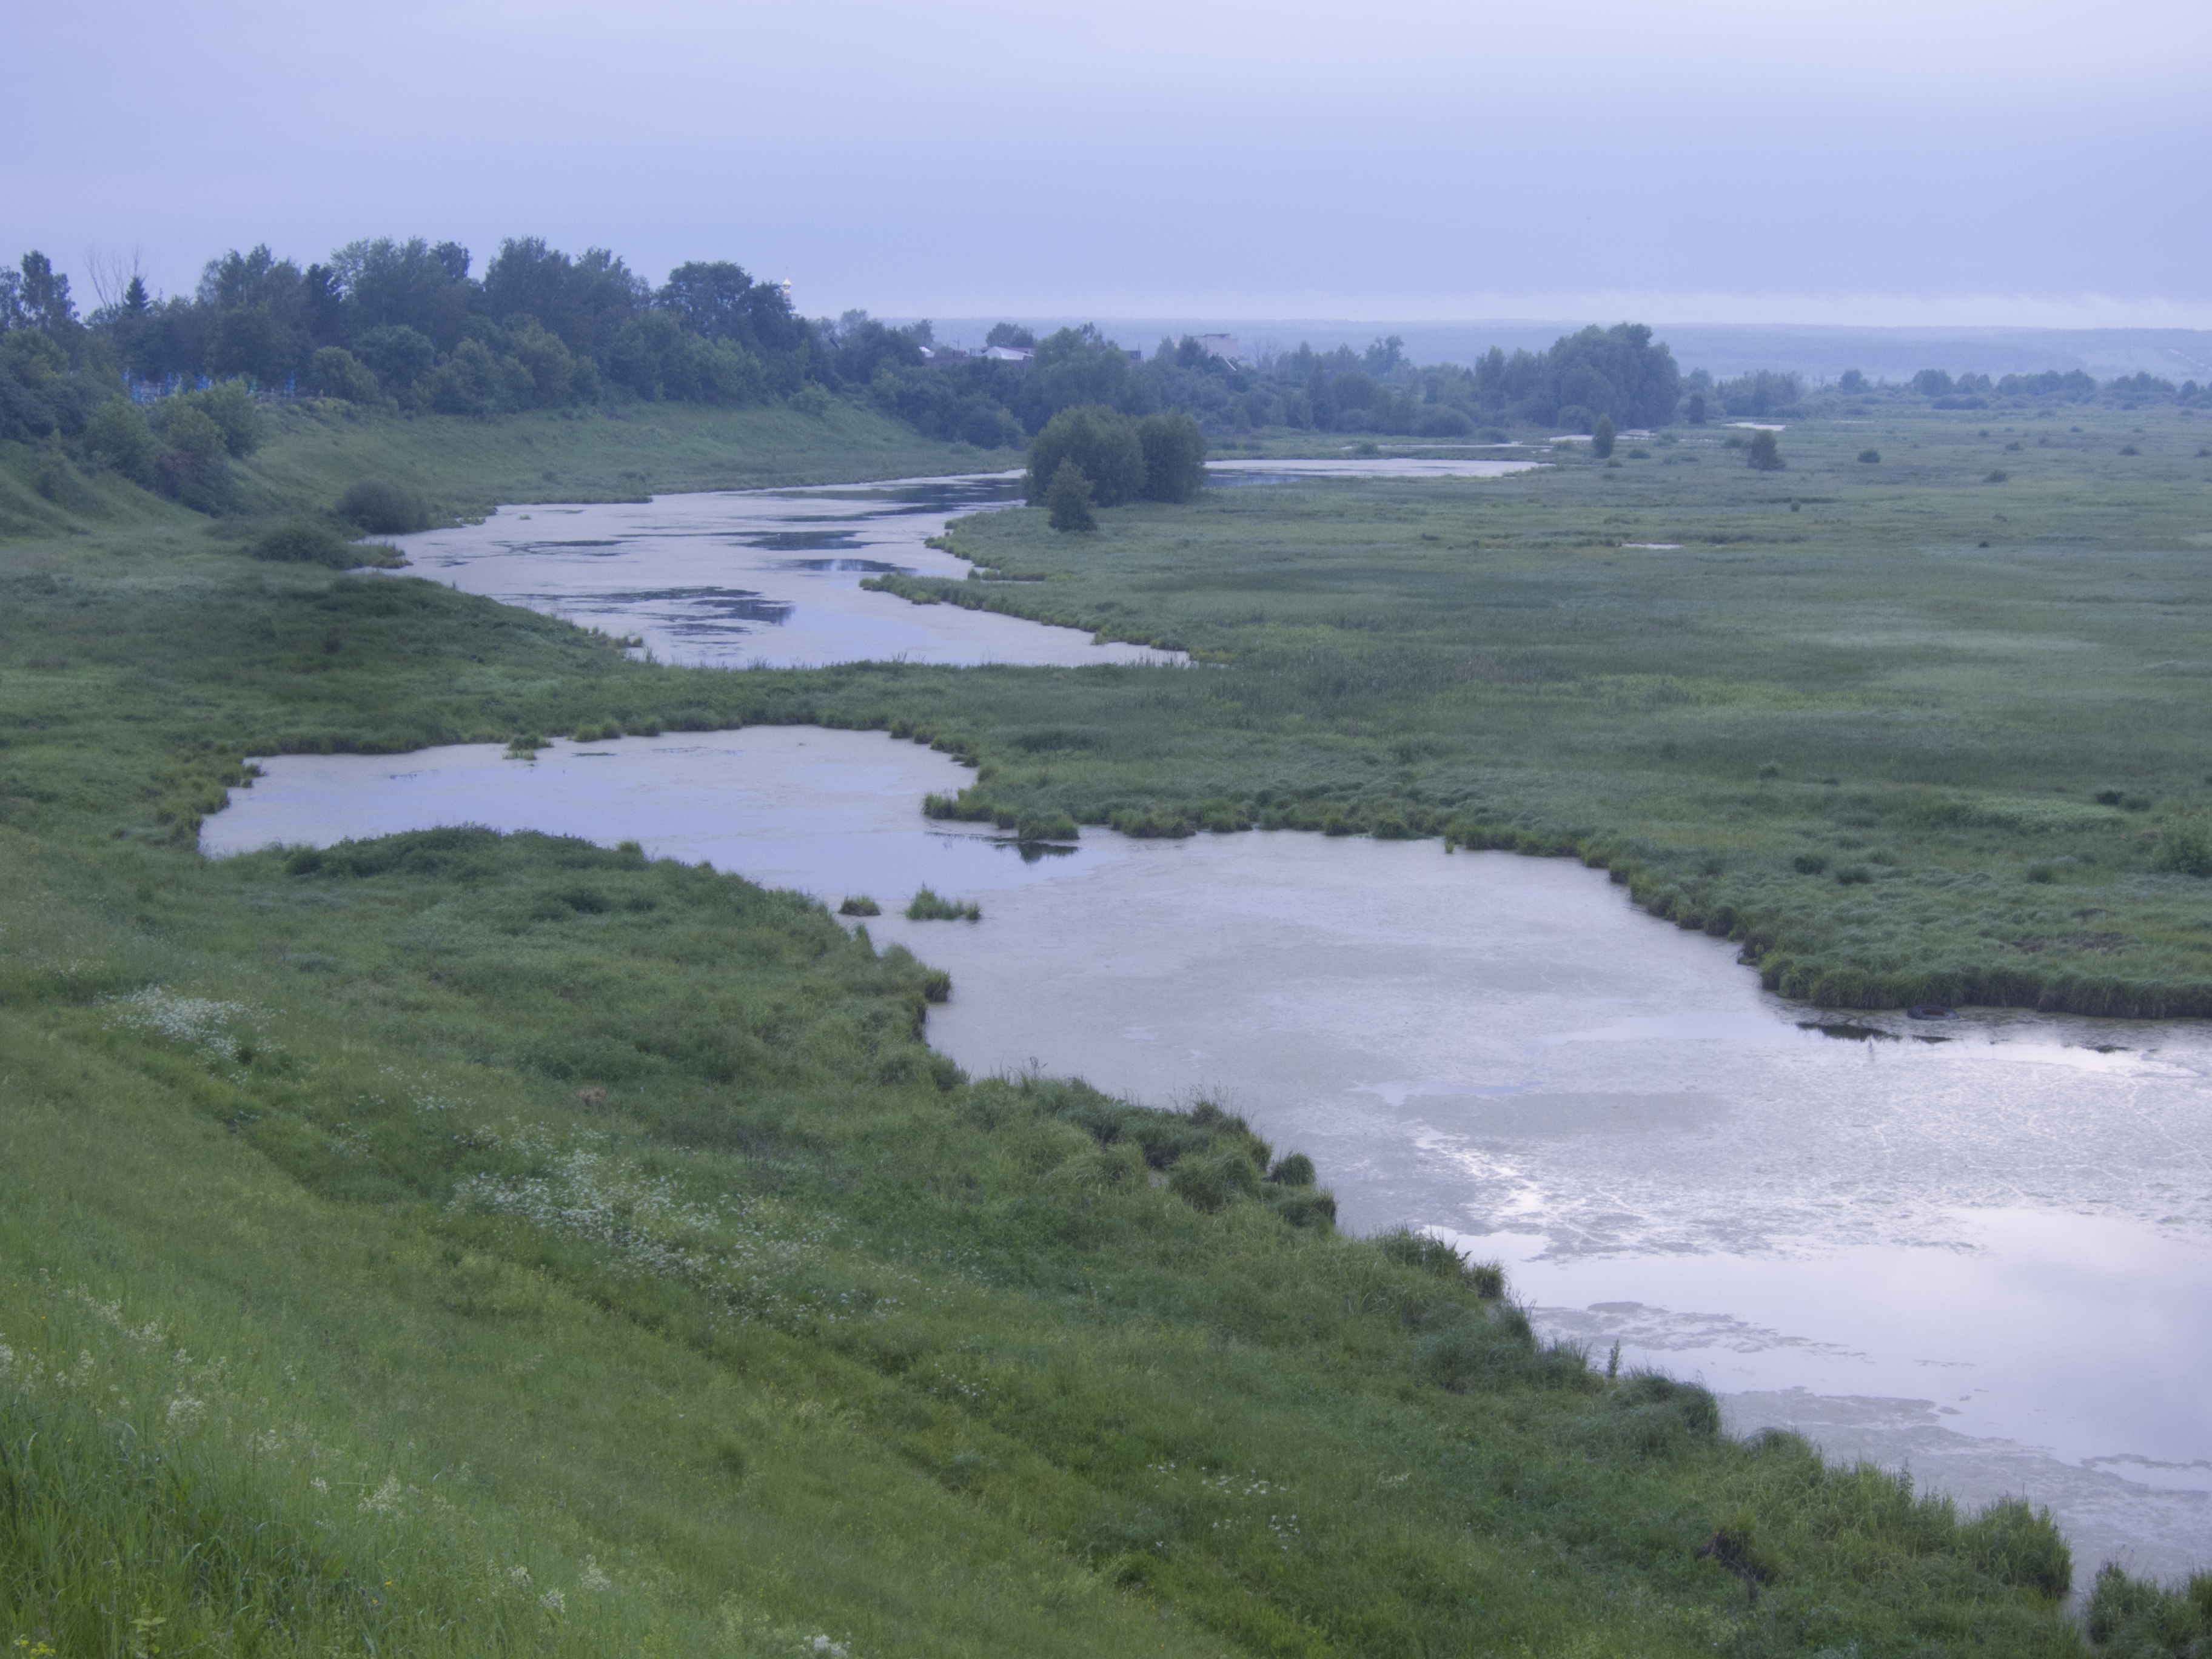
pixel 475 1243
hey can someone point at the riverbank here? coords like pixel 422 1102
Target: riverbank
pixel 350 1191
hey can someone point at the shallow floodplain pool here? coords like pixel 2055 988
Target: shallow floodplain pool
pixel 1981 1249
pixel 756 578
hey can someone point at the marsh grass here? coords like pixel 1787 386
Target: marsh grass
pixel 927 906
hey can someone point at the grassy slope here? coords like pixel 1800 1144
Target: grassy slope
pixel 1941 673
pixel 609 1221
pixel 313 450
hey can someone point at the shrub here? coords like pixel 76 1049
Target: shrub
pixel 303 541
pixel 1997 476
pixel 1764 454
pixel 385 509
pixel 2184 848
pixel 1601 437
pixel 1869 458
pixel 860 904
pixel 1296 1169
pixel 117 434
pixel 1854 875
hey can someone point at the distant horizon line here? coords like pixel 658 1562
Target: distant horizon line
pixel 2202 325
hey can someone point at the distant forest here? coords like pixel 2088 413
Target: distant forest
pixel 410 325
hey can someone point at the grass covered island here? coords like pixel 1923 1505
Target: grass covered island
pixel 460 1243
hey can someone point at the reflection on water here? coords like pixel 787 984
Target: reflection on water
pixel 1265 470
pixel 708 579
pixel 1385 467
pixel 1983 1256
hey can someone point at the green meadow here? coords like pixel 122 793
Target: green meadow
pixel 477 1244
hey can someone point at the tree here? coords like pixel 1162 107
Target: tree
pixel 1764 455
pixel 37 297
pixel 1078 366
pixel 1068 500
pixel 398 354
pixel 1175 456
pixel 1101 441
pixel 117 434
pixel 409 285
pixel 1009 334
pixel 1853 382
pixel 1697 409
pixel 1932 383
pixel 1601 437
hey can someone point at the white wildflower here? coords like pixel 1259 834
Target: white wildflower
pixel 200 1022
pixel 592 1578
pixel 385 1500
pixel 184 1411
pixel 519 1577
pixel 321 1486
pixel 553 1601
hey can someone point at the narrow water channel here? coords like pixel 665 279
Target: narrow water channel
pixel 1982 1257
pixel 767 578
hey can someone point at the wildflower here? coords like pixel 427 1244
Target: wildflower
pixel 592 1578
pixel 385 1500
pixel 553 1601
pixel 184 1411
pixel 519 1577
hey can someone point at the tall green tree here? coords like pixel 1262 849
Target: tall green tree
pixel 1068 501
pixel 1175 456
pixel 1103 442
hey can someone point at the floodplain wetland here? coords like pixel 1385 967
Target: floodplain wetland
pixel 1907 735
pixel 477 1134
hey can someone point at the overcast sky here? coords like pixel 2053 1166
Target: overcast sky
pixel 1954 161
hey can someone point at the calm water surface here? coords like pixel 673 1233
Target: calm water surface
pixel 1986 1257
pixel 756 578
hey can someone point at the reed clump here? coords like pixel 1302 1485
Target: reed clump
pixel 928 905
